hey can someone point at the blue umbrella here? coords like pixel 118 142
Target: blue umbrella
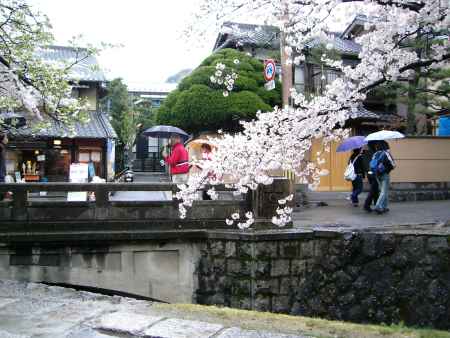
pixel 351 143
pixel 165 132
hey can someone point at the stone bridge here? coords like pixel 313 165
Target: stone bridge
pixel 374 274
pixel 137 247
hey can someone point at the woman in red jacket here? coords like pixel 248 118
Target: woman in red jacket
pixel 178 160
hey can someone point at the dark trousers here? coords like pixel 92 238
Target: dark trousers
pixel 374 192
pixel 357 185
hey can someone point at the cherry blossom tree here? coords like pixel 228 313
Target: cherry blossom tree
pixel 282 139
pixel 29 83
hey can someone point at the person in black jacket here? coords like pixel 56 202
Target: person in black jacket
pixel 374 191
pixel 3 142
pixel 357 184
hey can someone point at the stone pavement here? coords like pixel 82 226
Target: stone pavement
pixel 143 177
pixel 29 310
pixel 341 214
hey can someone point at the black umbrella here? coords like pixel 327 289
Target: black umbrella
pixel 165 132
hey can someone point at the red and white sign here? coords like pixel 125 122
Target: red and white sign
pixel 269 70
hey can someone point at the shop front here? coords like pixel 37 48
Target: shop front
pixel 49 160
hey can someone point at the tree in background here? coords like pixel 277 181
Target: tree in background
pixel 281 139
pixel 426 92
pixel 27 83
pixel 129 116
pixel 123 119
pixel 201 105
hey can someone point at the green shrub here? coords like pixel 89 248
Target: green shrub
pixel 199 105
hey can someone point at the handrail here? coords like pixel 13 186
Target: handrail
pixel 109 186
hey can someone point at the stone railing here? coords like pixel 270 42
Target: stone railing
pixel 23 209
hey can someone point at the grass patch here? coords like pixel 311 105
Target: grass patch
pixel 318 328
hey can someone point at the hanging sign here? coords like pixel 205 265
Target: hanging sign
pixel 269 70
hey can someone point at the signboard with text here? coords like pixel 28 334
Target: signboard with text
pixel 78 174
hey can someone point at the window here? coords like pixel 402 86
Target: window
pixel 299 79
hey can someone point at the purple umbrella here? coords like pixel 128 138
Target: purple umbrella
pixel 351 143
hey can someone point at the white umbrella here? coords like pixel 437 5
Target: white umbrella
pixel 384 135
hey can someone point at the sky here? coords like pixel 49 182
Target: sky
pixel 149 31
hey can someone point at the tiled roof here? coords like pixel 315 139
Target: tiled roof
pixel 98 126
pixel 86 70
pixel 235 34
pixel 341 45
pixel 248 35
pixel 365 114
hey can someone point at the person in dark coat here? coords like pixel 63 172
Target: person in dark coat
pixel 3 142
pixel 357 184
pixel 374 191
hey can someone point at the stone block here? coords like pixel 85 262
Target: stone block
pixel 413 246
pixel 437 244
pixel 289 249
pixel 48 260
pixel 286 285
pixel 238 267
pixel 280 304
pixel 180 328
pixel 120 322
pixel 217 248
pixel 245 250
pixel 320 248
pixel 218 266
pixel 239 302
pixel 266 250
pixel 307 249
pixel 262 303
pixel 280 267
pixel 262 269
pixel 230 249
pixel 241 287
pixel 267 286
pixel 298 267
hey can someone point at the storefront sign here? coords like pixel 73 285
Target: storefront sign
pixel 40 158
pixel 78 174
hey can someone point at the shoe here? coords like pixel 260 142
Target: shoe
pixel 386 210
pixel 379 211
pixel 355 205
pixel 368 209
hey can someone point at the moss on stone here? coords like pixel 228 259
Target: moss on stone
pixel 291 324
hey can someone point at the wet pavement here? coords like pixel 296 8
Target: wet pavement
pixel 32 310
pixel 340 213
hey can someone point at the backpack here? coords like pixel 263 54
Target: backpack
pixel 381 163
pixel 350 174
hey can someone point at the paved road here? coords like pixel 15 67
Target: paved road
pixel 340 212
pixel 143 177
pixel 30 310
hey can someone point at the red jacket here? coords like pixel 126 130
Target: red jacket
pixel 178 160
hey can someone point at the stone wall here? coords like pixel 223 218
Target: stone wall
pixel 360 277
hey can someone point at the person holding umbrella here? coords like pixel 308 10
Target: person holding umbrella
pixel 178 160
pixel 374 191
pixel 355 170
pixel 382 164
pixel 357 183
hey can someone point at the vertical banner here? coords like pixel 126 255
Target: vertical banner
pixel 110 159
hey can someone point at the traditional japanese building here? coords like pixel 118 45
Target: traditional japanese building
pixel 46 155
